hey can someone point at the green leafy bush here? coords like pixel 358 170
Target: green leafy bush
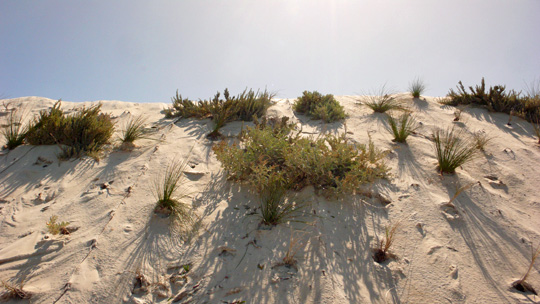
pixel 242 107
pixel 330 162
pixel 83 133
pixel 453 149
pixel 497 99
pixel 317 106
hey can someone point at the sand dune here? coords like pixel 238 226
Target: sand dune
pixel 469 253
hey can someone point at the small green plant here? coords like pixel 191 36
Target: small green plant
pixel 14 130
pixel 452 149
pixel 382 251
pixel 133 130
pixel 417 87
pixel 242 107
pixel 521 284
pixel 55 228
pixel 14 291
pixel 170 194
pixel 83 133
pixel 318 106
pixel 481 139
pixel 402 127
pixel 383 100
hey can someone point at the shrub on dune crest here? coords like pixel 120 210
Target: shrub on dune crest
pixel 318 106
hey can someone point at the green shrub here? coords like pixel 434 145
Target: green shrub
pixel 402 127
pixel 453 149
pixel 330 163
pixel 383 101
pixel 57 227
pixel 417 87
pixel 317 106
pixel 242 107
pixel 83 133
pixel 497 99
pixel 14 130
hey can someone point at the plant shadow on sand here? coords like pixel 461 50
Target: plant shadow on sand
pixel 485 237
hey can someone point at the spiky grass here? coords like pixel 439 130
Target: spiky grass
pixel 382 251
pixel 452 149
pixel 14 130
pixel 383 100
pixel 133 130
pixel 57 227
pixel 402 127
pixel 481 139
pixel 417 87
pixel 14 291
pixel 169 191
pixel 536 128
pixel 521 284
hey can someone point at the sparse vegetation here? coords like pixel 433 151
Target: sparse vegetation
pixel 275 206
pixel 318 106
pixel 13 291
pixel 83 133
pixel 452 149
pixel 133 130
pixel 382 251
pixel 536 128
pixel 13 128
pixel 521 284
pixel 55 228
pixel 330 163
pixel 242 107
pixel 417 87
pixel 481 139
pixel 402 127
pixel 383 100
pixel 170 194
pixel 498 99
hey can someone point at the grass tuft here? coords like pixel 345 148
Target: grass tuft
pixel 383 100
pixel 452 149
pixel 481 139
pixel 402 127
pixel 14 129
pixel 382 251
pixel 417 87
pixel 318 106
pixel 170 194
pixel 133 130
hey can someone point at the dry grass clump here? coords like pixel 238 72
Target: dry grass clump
pixel 521 284
pixel 13 127
pixel 169 191
pixel 402 127
pixel 382 251
pixel 13 291
pixel 481 139
pixel 383 100
pixel 329 162
pixel 57 227
pixel 318 106
pixel 417 87
pixel 242 107
pixel 132 131
pixel 83 133
pixel 453 149
pixel 498 99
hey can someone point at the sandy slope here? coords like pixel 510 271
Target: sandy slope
pixel 469 254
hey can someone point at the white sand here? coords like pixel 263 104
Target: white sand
pixel 470 254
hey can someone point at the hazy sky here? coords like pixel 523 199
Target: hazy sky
pixel 143 51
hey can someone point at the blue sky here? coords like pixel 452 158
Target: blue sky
pixel 143 51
